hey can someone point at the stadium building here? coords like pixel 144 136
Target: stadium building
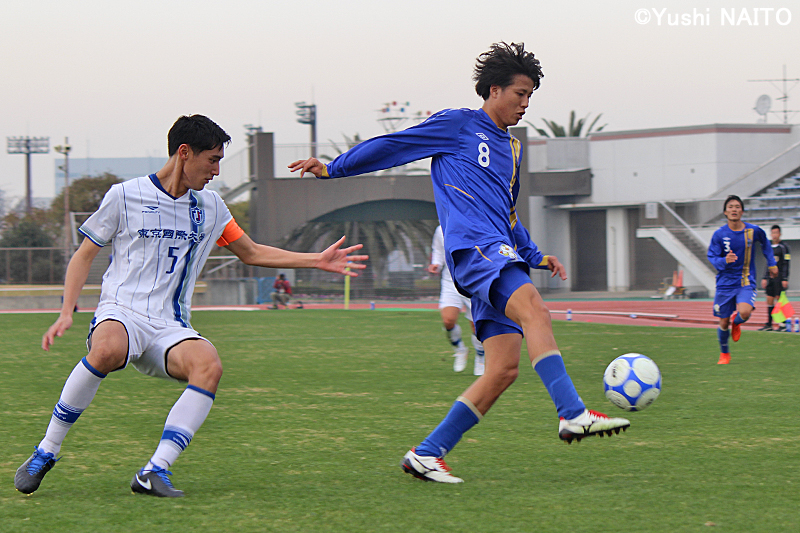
pixel 622 210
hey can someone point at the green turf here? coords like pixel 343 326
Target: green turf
pixel 316 409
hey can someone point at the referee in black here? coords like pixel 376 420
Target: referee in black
pixel 774 286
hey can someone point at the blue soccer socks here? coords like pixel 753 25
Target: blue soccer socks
pixel 462 416
pixel 723 335
pixel 184 419
pixel 77 394
pixel 553 373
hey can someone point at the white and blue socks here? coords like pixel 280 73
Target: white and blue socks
pixel 77 394
pixel 478 345
pixel 454 336
pixel 184 419
pixel 553 373
pixel 462 416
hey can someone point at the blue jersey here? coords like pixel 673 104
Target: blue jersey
pixel 741 272
pixel 475 173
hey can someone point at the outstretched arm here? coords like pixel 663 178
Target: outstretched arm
pixel 436 135
pixel 77 272
pixel 332 259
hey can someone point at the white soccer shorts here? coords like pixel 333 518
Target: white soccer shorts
pixel 147 343
pixel 450 297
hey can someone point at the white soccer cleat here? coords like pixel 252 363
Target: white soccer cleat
pixel 479 365
pixel 428 468
pixel 588 424
pixel 460 362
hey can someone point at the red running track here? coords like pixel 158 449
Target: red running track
pixel 674 313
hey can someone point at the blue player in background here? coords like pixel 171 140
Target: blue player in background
pixel 732 253
pixel 475 173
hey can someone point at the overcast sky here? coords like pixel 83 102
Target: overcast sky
pixel 114 76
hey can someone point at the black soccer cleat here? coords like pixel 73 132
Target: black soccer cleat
pixel 29 476
pixel 155 483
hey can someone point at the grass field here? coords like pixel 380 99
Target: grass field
pixel 316 409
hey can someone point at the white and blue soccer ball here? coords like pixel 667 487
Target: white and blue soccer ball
pixel 632 382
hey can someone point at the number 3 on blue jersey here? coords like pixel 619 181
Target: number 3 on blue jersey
pixel 172 250
pixel 483 155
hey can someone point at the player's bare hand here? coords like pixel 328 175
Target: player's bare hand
pixel 732 257
pixel 56 330
pixel 763 284
pixel 434 269
pixel 555 266
pixel 773 272
pixel 313 165
pixel 336 259
pixel 785 284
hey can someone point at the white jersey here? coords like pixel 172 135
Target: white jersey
pixel 437 253
pixel 159 245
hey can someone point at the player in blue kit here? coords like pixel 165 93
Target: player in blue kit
pixel 732 253
pixel 475 173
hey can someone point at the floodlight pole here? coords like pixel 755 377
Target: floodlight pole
pixel 28 145
pixel 65 149
pixel 307 114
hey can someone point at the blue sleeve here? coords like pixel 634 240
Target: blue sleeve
pixel 437 135
pixel 715 254
pixel 766 246
pixel 526 248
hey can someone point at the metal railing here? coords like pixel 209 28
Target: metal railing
pixel 32 265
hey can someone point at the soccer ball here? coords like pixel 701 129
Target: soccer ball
pixel 632 382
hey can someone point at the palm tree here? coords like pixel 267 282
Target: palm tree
pixel 574 129
pixel 380 238
pixel 349 142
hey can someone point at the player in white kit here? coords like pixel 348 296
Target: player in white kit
pixel 450 304
pixel 161 229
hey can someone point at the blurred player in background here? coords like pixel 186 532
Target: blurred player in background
pixel 732 253
pixel 774 286
pixel 450 304
pixel 475 172
pixel 161 229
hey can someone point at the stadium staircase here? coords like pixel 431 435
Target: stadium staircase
pixel 777 204
pixel 685 245
pixel 770 200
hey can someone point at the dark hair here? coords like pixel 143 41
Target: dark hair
pixel 729 198
pixel 501 63
pixel 199 132
pixel 775 226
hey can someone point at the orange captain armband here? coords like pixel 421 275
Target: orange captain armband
pixel 231 232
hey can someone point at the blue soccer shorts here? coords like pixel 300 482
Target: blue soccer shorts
pixel 490 275
pixel 725 300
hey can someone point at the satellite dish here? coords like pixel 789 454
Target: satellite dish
pixel 763 104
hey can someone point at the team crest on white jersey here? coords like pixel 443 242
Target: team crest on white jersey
pixel 507 251
pixel 482 136
pixel 197 215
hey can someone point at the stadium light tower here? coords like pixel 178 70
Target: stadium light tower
pixel 28 145
pixel 307 114
pixel 64 149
